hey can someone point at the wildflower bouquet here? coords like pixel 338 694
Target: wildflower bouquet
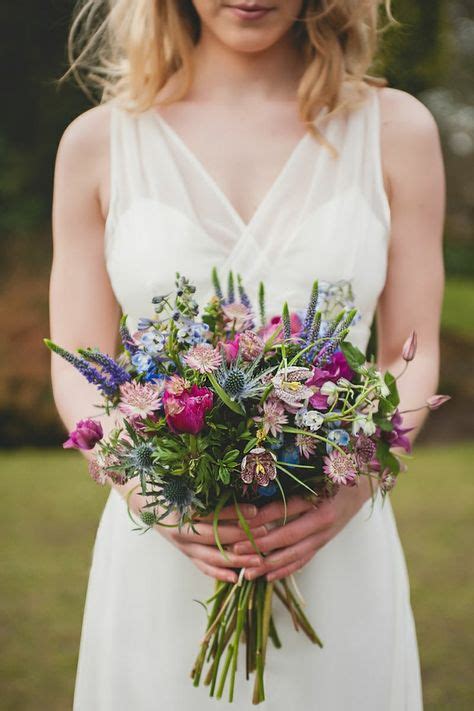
pixel 220 409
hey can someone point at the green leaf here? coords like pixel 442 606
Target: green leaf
pixel 355 358
pixel 391 383
pixel 386 458
pixel 215 523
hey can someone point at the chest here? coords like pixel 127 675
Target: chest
pixel 242 151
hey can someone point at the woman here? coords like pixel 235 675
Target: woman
pixel 247 136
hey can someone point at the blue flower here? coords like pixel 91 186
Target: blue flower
pixel 340 437
pixel 142 361
pixel 268 490
pixel 289 455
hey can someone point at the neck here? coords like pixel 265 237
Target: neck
pixel 224 75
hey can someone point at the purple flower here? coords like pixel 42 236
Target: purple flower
pixel 85 436
pixel 337 368
pixel 275 322
pixel 409 347
pixel 186 411
pixel 436 401
pixel 398 436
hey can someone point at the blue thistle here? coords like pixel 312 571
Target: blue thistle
pixel 216 284
pixel 118 375
pixel 311 310
pixel 91 374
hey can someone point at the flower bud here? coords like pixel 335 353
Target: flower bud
pixel 409 348
pixel 435 401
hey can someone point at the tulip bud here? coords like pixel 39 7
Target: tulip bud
pixel 435 401
pixel 409 348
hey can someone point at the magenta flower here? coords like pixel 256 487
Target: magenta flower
pixel 398 436
pixel 185 412
pixel 436 401
pixel 85 436
pixel 230 348
pixel 337 368
pixel 296 326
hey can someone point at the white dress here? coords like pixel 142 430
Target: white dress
pixel 323 218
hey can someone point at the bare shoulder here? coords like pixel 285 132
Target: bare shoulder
pixel 405 113
pixel 410 140
pixel 83 155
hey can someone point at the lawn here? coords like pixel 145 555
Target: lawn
pixel 49 513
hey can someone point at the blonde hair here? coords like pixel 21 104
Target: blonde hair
pixel 129 49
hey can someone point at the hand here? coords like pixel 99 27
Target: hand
pixel 201 547
pixel 288 548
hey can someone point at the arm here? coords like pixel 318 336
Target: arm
pixel 84 311
pixel 411 300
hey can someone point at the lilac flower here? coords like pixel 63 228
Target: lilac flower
pixel 85 436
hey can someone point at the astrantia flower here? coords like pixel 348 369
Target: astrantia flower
pixel 138 400
pixel 387 482
pixel 341 468
pixel 251 345
pixel 259 466
pixel 237 316
pixel 306 445
pixel 203 358
pixel 101 469
pixel 273 417
pixel 364 449
pixel 85 436
pixel 289 387
pixel 176 385
pixel 186 412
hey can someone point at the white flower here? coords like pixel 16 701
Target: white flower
pixel 344 383
pixel 365 424
pixel 330 390
pixel 313 420
pixel 384 389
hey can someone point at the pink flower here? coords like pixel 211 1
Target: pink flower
pixel 409 347
pixel 341 468
pixel 306 445
pixel 273 417
pixel 251 345
pixel 203 358
pixel 337 368
pixel 85 436
pixel 139 400
pixel 237 316
pixel 177 385
pixel 296 326
pixel 436 401
pixel 230 348
pixel 186 411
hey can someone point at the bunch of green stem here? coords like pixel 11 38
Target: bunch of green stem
pixel 244 611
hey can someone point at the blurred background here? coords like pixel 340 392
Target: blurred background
pixel 49 510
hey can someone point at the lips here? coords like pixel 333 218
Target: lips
pixel 249 11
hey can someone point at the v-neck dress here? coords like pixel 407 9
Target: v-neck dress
pixel 323 218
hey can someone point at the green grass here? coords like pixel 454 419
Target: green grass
pixel 458 308
pixel 49 514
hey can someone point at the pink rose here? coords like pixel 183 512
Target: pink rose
pixel 186 411
pixel 85 436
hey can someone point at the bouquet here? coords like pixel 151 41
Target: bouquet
pixel 232 407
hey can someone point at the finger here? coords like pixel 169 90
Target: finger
pixel 306 524
pixel 213 556
pixel 227 576
pixel 289 555
pixel 289 569
pixel 276 510
pixel 204 533
pixel 229 513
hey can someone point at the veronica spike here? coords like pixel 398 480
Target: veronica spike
pixel 242 293
pixel 261 302
pixel 216 284
pixel 230 288
pixel 311 310
pixel 285 317
pixel 126 336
